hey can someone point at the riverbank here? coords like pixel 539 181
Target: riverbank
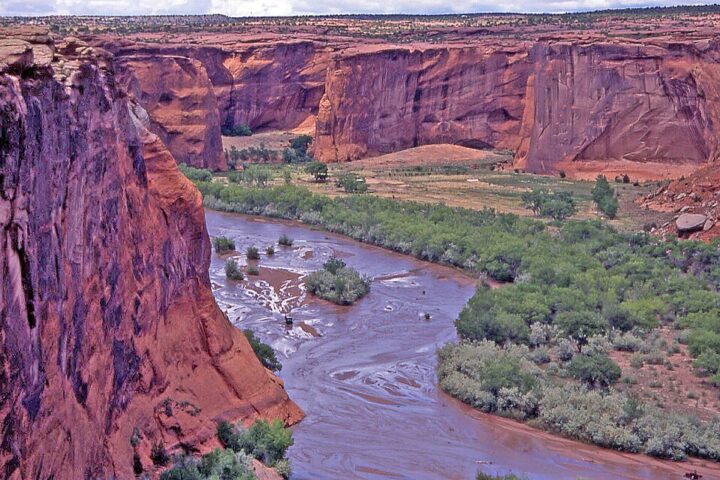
pixel 368 385
pixel 510 248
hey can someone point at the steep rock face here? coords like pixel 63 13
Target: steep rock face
pixel 384 100
pixel 559 103
pixel 270 85
pixel 181 103
pixel 108 324
pixel 610 102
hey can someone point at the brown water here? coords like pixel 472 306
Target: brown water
pixel 367 383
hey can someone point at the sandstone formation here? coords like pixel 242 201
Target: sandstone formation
pixel 108 327
pixel 183 109
pixel 559 99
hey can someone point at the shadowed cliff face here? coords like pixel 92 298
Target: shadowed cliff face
pixel 179 98
pixel 106 312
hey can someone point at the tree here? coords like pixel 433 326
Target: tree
pixel 594 370
pixel 604 197
pixel 318 170
pixel 558 206
pixel 352 183
pixel 301 144
pixel 580 325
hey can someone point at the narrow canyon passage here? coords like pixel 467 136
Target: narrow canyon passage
pixel 364 374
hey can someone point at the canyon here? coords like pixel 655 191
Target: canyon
pixel 639 97
pixel 111 340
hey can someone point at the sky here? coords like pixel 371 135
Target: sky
pixel 308 7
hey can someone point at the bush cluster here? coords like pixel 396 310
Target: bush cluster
pixel 337 283
pixel 504 381
pixel 266 441
pixel 232 270
pixel 196 174
pixel 544 203
pixel 263 351
pixel 236 131
pixel 223 244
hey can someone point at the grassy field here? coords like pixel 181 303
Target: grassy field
pixel 462 177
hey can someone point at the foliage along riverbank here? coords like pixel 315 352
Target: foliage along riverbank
pixel 579 290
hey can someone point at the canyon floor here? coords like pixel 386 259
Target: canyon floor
pixel 476 179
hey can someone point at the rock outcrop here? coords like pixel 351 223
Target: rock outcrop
pixel 108 327
pixel 696 202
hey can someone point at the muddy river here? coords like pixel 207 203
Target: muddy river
pixel 364 374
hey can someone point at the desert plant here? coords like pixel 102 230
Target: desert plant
pixel 223 244
pixel 232 270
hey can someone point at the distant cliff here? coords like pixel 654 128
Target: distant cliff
pixel 108 327
pixel 554 102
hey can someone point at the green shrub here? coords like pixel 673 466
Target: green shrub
pixel 285 241
pixel 337 283
pixel 253 270
pixel 216 465
pixel 270 251
pixel 223 244
pixel 232 270
pixel 555 205
pixel 318 170
pixel 301 144
pixel 236 131
pixel 196 174
pixel 352 183
pixel 263 351
pixel 266 441
pixel 604 197
pixel 594 370
pixel 252 253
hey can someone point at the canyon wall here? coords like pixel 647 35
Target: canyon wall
pixel 386 99
pixel 108 327
pixel 557 103
pixel 190 92
pixel 182 106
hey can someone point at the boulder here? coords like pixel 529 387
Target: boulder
pixel 689 222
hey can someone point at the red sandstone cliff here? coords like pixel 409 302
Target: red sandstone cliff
pixel 107 320
pixel 559 102
pixel 383 99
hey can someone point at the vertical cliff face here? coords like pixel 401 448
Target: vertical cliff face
pixel 380 101
pixel 273 86
pixel 108 324
pixel 557 103
pixel 191 91
pixel 183 109
pixel 611 102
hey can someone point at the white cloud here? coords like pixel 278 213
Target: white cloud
pixel 295 7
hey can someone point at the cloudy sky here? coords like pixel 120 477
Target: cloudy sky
pixel 303 7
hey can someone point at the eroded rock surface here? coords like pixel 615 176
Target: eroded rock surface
pixel 108 324
pixel 558 100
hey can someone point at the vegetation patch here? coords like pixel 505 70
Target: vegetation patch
pixel 574 290
pixel 338 283
pixel 223 245
pixel 263 351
